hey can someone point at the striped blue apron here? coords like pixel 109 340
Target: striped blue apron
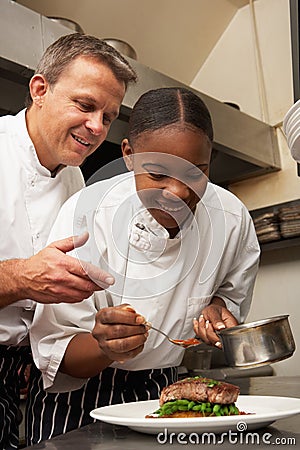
pixel 12 359
pixel 50 414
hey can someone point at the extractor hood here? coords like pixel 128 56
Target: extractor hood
pixel 243 146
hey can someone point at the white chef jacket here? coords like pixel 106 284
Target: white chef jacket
pixel 169 281
pixel 30 201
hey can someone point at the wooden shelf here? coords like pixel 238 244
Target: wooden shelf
pixel 284 242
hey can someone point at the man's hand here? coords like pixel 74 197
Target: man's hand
pixel 51 276
pixel 120 332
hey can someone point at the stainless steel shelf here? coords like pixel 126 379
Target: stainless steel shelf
pixel 243 146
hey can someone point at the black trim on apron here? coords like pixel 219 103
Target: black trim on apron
pixel 50 414
pixel 12 359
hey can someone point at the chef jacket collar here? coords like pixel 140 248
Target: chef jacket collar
pixel 146 233
pixel 29 149
pixel 57 170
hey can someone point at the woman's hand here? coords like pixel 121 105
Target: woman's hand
pixel 214 317
pixel 120 332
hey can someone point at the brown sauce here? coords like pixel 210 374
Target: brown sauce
pixel 186 342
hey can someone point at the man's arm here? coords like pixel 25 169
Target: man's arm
pixel 51 276
pixel 11 290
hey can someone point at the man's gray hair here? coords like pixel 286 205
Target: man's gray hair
pixel 63 51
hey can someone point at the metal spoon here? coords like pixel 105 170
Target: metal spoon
pixel 185 343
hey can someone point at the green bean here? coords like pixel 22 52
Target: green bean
pixel 225 410
pixel 231 409
pixel 197 408
pixel 168 404
pixel 216 408
pixel 190 405
pixel 182 402
pixel 236 410
pixel 206 408
pixel 168 410
pixel 182 407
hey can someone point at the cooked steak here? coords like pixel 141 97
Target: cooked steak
pixel 199 389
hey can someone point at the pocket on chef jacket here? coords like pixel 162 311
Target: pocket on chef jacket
pixel 194 307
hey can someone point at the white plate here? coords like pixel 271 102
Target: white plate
pixel 266 410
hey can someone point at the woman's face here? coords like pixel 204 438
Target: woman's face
pixel 171 167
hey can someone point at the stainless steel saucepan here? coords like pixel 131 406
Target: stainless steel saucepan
pixel 258 343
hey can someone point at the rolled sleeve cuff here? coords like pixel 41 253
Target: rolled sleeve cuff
pixel 55 381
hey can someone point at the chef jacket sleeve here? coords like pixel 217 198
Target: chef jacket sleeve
pixel 237 286
pixel 53 328
pixel 54 325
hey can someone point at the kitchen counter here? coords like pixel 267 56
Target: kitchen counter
pixel 101 436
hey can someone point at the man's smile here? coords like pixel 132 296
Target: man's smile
pixel 80 140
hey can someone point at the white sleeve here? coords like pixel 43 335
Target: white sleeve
pixel 237 288
pixel 54 325
pixel 52 329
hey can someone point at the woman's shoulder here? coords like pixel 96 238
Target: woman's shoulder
pixel 218 198
pixel 105 193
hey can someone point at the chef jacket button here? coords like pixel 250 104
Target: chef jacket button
pixel 140 226
pixel 136 237
pixel 37 236
pixel 32 183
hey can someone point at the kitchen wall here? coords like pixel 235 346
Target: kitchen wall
pixel 251 66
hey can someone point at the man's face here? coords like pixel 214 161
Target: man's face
pixel 68 121
pixel 171 166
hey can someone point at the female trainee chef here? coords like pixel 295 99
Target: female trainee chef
pixel 179 248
